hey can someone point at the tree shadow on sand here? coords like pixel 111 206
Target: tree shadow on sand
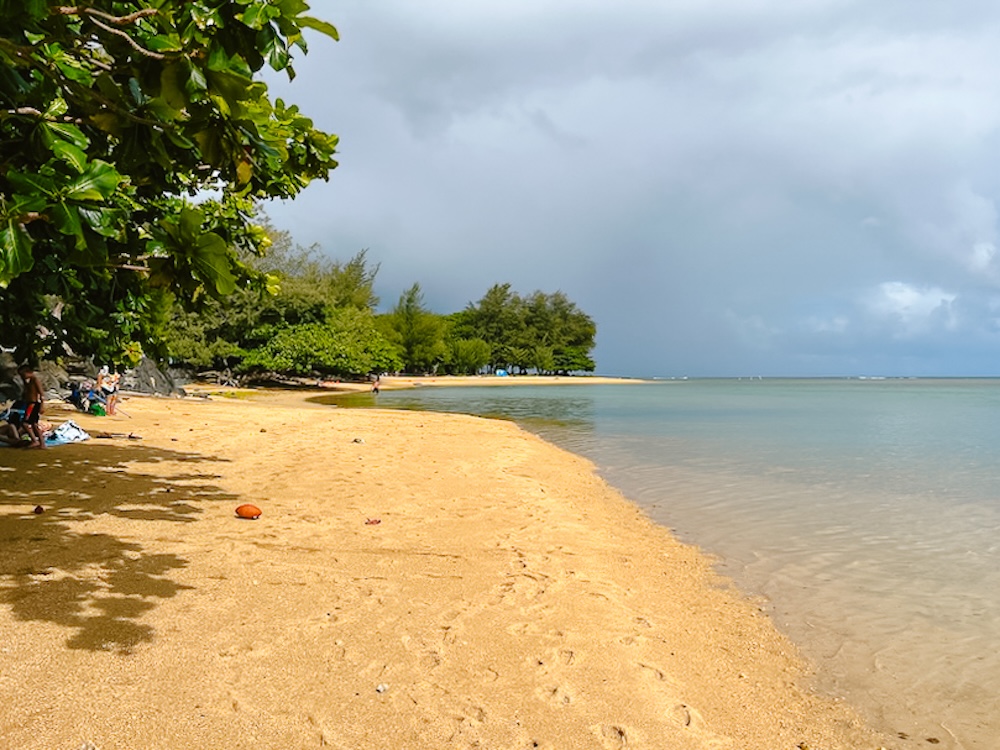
pixel 94 584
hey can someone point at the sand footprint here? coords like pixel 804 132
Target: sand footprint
pixel 691 719
pixel 566 657
pixel 651 671
pixel 612 736
pixel 555 694
pixel 685 716
pixel 317 726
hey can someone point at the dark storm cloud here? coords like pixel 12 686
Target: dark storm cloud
pixel 727 186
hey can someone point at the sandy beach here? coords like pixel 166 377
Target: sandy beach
pixel 415 581
pixel 397 382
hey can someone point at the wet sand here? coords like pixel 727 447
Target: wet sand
pixel 416 580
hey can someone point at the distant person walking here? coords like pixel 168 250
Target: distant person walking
pixel 375 384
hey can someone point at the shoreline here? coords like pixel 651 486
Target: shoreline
pixel 506 596
pixel 403 382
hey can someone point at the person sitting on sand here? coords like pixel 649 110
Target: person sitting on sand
pixel 9 432
pixel 34 400
pixel 77 398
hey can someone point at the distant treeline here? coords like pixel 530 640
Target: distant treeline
pixel 322 322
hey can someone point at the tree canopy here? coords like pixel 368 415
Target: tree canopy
pixel 118 120
pixel 543 332
pixel 417 332
pixel 320 321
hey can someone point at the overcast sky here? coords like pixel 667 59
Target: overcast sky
pixel 728 187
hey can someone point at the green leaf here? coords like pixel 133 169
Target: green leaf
pixel 173 78
pixel 196 85
pixel 279 58
pixel 178 139
pixel 190 223
pixel 67 221
pixel 57 108
pixel 208 145
pixel 107 222
pixel 97 183
pixel 205 17
pixel 22 204
pixel 164 43
pixel 234 88
pixel 292 7
pixel 33 183
pixel 66 132
pixel 321 26
pixel 109 122
pixel 244 171
pixel 211 260
pixel 254 16
pixel 70 154
pixel 73 70
pixel 15 251
pixel 135 89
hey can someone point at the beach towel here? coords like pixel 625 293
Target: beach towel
pixel 68 432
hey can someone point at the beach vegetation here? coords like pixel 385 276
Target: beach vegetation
pixel 416 332
pixel 467 356
pixel 347 343
pixel 544 333
pixel 135 142
pixel 321 321
pixel 318 319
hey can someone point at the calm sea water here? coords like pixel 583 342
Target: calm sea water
pixel 866 512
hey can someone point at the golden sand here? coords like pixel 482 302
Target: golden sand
pixel 416 581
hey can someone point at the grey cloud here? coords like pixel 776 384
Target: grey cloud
pixel 718 183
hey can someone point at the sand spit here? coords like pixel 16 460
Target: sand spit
pixel 415 580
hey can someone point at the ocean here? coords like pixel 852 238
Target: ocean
pixel 864 513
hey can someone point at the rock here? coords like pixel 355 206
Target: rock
pixel 52 376
pixel 148 378
pixel 10 383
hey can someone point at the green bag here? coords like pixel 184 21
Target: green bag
pixel 97 410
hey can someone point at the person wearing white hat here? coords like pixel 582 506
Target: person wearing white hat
pixel 107 384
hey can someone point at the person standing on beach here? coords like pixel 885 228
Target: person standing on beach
pixel 107 385
pixel 33 398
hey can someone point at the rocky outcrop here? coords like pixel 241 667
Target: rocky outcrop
pixel 148 378
pixel 55 378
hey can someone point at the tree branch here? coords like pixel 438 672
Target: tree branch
pixel 32 112
pixel 76 10
pixel 135 45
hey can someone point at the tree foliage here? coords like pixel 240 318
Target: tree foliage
pixel 417 332
pixel 543 332
pixel 114 116
pixel 346 344
pixel 311 305
pixel 468 356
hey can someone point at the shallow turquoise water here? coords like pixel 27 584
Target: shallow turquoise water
pixel 866 512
